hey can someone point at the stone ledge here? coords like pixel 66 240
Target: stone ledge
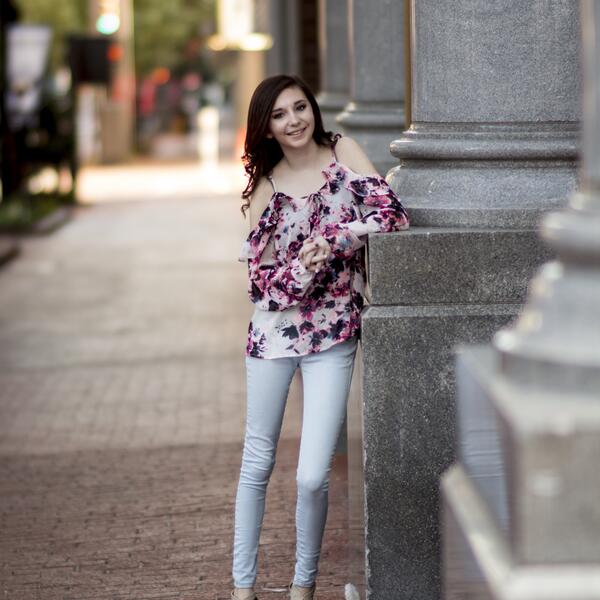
pixel 447 266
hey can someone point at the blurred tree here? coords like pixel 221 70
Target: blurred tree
pixel 63 17
pixel 163 30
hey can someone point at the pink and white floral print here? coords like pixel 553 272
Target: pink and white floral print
pixel 297 311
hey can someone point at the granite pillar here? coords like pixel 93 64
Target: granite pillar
pixel 522 518
pixel 334 63
pixel 375 114
pixel 282 17
pixel 356 500
pixel 491 147
pixel 495 93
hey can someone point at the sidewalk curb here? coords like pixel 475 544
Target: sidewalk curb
pixel 9 249
pixel 53 221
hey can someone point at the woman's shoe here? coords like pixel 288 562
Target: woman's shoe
pixel 301 593
pixel 243 594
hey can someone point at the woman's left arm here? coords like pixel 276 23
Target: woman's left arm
pixel 382 211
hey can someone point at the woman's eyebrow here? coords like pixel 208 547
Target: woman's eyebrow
pixel 283 108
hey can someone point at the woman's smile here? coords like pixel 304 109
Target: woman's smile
pixel 297 132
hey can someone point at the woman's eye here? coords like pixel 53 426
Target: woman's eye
pixel 301 106
pixel 277 116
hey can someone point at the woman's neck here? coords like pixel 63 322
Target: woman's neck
pixel 303 158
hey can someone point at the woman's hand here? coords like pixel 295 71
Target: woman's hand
pixel 307 253
pixel 314 253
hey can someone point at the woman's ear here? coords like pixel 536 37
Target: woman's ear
pixel 269 135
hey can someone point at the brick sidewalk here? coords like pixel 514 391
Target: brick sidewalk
pixel 121 412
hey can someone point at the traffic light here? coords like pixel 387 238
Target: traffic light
pixel 109 16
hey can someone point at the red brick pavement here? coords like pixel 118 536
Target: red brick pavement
pixel 121 413
pixel 148 524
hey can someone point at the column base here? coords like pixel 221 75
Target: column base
pixel 478 562
pixel 484 175
pixel 533 458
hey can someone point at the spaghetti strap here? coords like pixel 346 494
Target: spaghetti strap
pixel 333 144
pixel 272 182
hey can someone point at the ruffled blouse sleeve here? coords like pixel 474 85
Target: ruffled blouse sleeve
pixel 381 212
pixel 273 284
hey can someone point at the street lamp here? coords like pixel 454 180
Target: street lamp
pixel 236 22
pixel 27 49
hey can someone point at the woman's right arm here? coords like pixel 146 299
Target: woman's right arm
pixel 274 285
pixel 258 201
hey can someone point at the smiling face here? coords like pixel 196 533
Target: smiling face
pixel 292 121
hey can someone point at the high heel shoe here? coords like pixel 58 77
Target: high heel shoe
pixel 248 594
pixel 301 593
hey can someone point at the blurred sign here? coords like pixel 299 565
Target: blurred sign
pixel 89 59
pixel 28 47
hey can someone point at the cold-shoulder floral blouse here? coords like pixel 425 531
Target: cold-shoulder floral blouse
pixel 297 311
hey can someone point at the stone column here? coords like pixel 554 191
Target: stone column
pixel 375 115
pixel 495 94
pixel 333 57
pixel 522 517
pixel 491 147
pixel 284 56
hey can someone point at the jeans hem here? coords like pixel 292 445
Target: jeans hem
pixel 237 584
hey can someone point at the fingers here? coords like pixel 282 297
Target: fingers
pixel 308 246
pixel 317 263
pixel 318 260
pixel 307 257
pixel 314 253
pixel 307 253
pixel 320 256
pixel 324 248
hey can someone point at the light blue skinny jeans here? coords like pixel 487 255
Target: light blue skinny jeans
pixel 326 380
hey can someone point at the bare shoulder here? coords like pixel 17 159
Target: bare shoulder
pixel 259 200
pixel 353 156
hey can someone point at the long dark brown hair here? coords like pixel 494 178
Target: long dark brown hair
pixel 261 153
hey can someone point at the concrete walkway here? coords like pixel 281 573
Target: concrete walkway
pixel 122 400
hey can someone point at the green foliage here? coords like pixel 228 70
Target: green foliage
pixel 163 28
pixel 63 17
pixel 20 213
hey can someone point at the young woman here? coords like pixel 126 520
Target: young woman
pixel 312 199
